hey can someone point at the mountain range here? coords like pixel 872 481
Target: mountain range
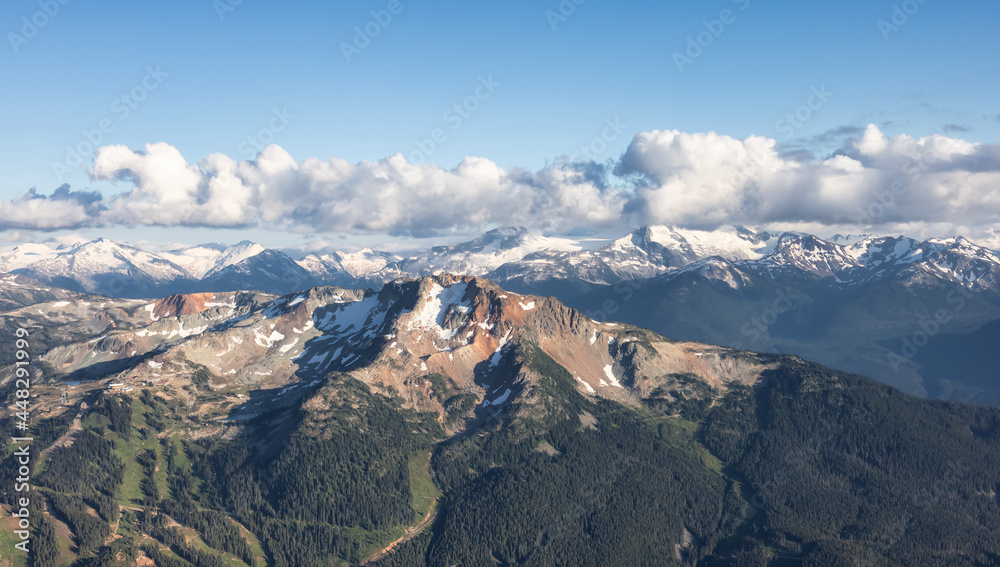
pixel 864 304
pixel 446 420
pixel 514 256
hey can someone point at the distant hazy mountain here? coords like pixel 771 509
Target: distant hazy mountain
pixel 645 253
pixel 104 267
pixel 514 254
pixel 268 270
pixel 366 267
pixel 114 269
pixel 857 307
pixel 517 257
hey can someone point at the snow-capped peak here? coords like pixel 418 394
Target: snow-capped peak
pixel 486 253
pixel 197 260
pixel 236 254
pixel 22 256
pixel 105 266
pixel 729 242
pixel 510 255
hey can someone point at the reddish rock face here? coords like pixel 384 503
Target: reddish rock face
pixel 477 338
pixel 176 305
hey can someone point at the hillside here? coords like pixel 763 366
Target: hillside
pixel 315 428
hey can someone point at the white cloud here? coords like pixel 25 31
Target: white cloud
pixel 664 177
pixel 711 179
pixel 168 191
pixel 390 195
pixel 63 209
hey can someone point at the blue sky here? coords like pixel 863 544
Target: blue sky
pixel 223 78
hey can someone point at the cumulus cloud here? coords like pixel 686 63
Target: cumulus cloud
pixel 711 179
pixel 63 209
pixel 698 180
pixel 390 195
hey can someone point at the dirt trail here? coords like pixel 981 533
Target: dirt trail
pixel 67 438
pixel 63 531
pixel 411 533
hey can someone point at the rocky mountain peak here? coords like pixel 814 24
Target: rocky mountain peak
pixel 181 304
pixel 424 340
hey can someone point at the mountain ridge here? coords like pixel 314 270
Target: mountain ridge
pixel 512 255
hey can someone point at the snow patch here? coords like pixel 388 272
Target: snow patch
pixel 266 341
pixel 308 325
pixel 355 315
pixel 495 359
pixel 439 301
pixel 185 333
pixel 497 354
pixel 611 376
pixel 499 400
